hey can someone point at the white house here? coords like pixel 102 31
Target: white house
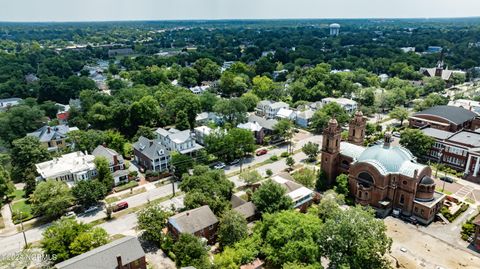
pixel 285 113
pixel 70 168
pixel 199 89
pixel 269 109
pixel 176 140
pixel 201 132
pixel 9 102
pixel 348 104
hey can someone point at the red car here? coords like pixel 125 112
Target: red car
pixel 120 206
pixel 261 152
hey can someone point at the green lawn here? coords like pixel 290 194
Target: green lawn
pixel 18 194
pixel 21 208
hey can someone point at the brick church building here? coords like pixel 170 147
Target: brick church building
pixel 385 177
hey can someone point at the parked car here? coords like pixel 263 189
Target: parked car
pixel 120 206
pixel 234 162
pixel 447 179
pixel 91 209
pixel 70 214
pixel 261 152
pixel 219 165
pixel 396 134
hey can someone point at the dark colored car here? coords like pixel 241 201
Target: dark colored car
pixel 447 179
pixel 261 152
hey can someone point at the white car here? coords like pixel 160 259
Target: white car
pixel 91 209
pixel 219 165
pixel 70 214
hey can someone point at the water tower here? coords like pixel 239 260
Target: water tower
pixel 334 29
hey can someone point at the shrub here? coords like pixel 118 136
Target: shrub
pixel 269 172
pixel 284 154
pixel 274 158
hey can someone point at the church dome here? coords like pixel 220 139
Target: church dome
pixel 427 181
pixel 390 159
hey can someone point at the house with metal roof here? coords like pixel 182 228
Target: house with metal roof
pixel 9 102
pixel 151 154
pixel 125 252
pixel 384 176
pixel 447 118
pixel 200 222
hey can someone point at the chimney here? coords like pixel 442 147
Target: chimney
pixel 188 213
pixel 119 262
pixel 48 129
pixel 115 159
pixel 151 143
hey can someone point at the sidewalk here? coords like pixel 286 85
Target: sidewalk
pixel 8 222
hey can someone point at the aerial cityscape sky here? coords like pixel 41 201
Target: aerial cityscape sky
pixel 105 10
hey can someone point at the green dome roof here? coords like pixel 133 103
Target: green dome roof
pixel 390 159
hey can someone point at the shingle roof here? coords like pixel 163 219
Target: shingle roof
pixel 247 210
pixel 194 220
pixel 456 115
pixel 108 153
pixel 49 133
pixel 105 257
pixel 267 124
pixel 153 149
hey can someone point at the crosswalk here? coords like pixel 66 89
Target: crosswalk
pixel 464 191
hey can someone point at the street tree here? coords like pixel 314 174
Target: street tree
pixel 399 113
pixel 26 152
pixel 311 150
pixel 232 228
pixel 51 199
pixel 270 197
pixel 88 240
pixel 290 162
pixel 89 192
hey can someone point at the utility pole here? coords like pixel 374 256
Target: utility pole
pixel 21 224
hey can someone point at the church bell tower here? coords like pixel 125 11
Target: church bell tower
pixel 356 129
pixel 331 150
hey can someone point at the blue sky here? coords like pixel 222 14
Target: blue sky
pixel 104 10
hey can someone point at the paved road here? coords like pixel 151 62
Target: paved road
pixel 15 242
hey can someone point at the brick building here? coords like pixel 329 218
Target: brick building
pixel 476 238
pixel 200 222
pixel 446 118
pixel 384 177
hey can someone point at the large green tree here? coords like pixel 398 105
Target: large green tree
pixel 89 192
pixel 270 197
pixel 51 199
pixel 6 185
pixel 416 141
pixel 311 150
pixel 152 220
pixel 66 238
pixel 190 251
pixel 104 175
pixel 232 228
pixel 26 152
pixel 399 113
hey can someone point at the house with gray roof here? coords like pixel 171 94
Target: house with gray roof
pixel 176 140
pixel 304 117
pixel 269 109
pixel 116 162
pixel 123 253
pixel 200 222
pixel 259 126
pixel 9 102
pixel 54 137
pixel 151 154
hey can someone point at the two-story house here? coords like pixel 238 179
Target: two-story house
pixel 176 140
pixel 200 222
pixel 269 109
pixel 117 164
pixel 70 168
pixel 348 104
pixel 151 154
pixel 53 137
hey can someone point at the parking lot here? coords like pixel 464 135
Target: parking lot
pixel 412 248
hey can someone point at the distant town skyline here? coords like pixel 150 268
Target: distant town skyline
pixel 120 10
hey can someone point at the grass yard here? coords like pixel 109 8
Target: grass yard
pixel 2 224
pixel 21 210
pixel 114 199
pixel 18 194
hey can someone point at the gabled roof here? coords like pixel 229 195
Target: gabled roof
pixel 175 135
pixel 153 149
pixel 306 114
pixel 247 209
pixel 49 133
pixel 267 124
pixel 105 257
pixel 194 220
pixel 108 153
pixel 453 114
